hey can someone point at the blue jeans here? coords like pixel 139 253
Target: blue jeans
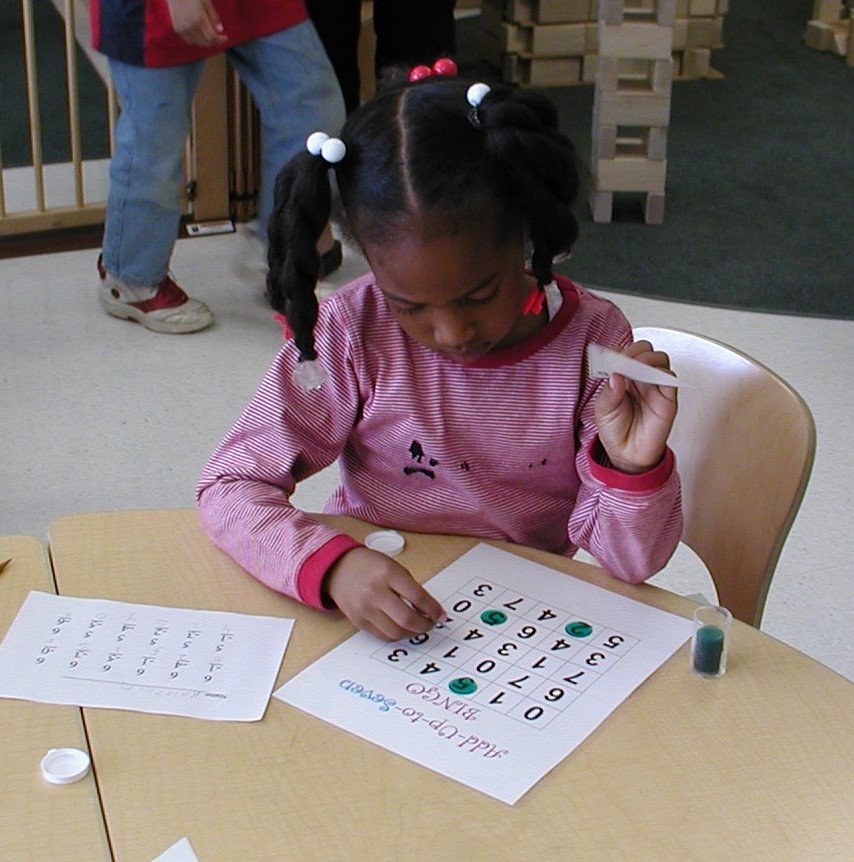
pixel 293 85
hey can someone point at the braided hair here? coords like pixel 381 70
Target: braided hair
pixel 419 149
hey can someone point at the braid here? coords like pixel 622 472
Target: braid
pixel 537 167
pixel 301 210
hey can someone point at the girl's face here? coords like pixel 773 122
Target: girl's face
pixel 459 294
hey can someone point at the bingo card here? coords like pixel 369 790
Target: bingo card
pixel 529 663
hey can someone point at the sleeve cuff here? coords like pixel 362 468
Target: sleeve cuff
pixel 313 570
pixel 651 480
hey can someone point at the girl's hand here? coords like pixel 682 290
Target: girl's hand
pixel 378 595
pixel 196 22
pixel 634 419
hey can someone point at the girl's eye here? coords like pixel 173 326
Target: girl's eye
pixel 482 296
pixel 407 309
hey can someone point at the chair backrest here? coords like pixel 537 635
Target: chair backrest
pixel 744 442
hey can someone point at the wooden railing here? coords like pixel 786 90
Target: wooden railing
pixel 221 157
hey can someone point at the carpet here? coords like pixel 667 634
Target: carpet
pixel 760 179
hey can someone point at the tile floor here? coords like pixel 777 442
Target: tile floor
pixel 99 414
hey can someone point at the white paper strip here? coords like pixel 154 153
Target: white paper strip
pixel 602 362
pixel 180 851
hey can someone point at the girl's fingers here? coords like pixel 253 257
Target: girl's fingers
pixel 415 597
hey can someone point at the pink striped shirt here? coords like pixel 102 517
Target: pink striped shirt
pixel 504 448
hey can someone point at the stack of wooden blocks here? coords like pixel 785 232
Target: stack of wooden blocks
pixel 831 28
pixel 556 42
pixel 631 105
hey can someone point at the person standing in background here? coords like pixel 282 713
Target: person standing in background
pixel 408 32
pixel 157 52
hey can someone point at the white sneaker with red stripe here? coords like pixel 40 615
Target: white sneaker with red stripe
pixel 168 310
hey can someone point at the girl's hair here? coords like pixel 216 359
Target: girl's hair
pixel 421 150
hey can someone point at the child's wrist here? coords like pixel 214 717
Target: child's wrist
pixel 634 469
pixel 601 456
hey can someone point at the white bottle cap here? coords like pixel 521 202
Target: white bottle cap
pixel 65 765
pixel 388 542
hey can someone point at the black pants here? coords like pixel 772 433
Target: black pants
pixel 408 32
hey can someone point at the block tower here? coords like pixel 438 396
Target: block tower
pixel 631 104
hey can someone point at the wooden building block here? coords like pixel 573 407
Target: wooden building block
pixel 518 10
pixel 542 71
pixel 703 7
pixel 561 11
pixel 656 143
pixel 611 142
pixel 653 211
pixel 602 206
pixel 511 37
pixel 631 109
pixel 840 38
pixel 604 142
pixel 637 75
pixel 828 11
pixel 553 71
pixel 820 36
pixel 704 32
pixel 627 174
pixel 661 12
pixel 558 39
pixel 647 41
pixel 680 34
pixel 544 40
pixel 591 41
pixel 696 63
pixel 546 11
pixel 589 67
pixel 611 11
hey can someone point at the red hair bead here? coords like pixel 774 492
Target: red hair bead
pixel 445 66
pixel 420 72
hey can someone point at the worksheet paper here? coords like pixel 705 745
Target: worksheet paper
pixel 180 851
pixel 177 661
pixel 530 662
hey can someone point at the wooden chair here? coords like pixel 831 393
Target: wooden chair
pixel 744 442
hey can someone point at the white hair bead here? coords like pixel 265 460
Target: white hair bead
pixel 309 375
pixel 315 141
pixel 333 150
pixel 475 94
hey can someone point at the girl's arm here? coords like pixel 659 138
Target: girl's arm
pixel 285 435
pixel 628 513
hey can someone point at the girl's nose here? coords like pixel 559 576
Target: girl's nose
pixel 452 330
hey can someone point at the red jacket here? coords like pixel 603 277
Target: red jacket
pixel 140 32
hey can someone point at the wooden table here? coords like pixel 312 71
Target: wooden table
pixel 758 765
pixel 39 820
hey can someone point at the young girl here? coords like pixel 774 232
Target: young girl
pixel 450 382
